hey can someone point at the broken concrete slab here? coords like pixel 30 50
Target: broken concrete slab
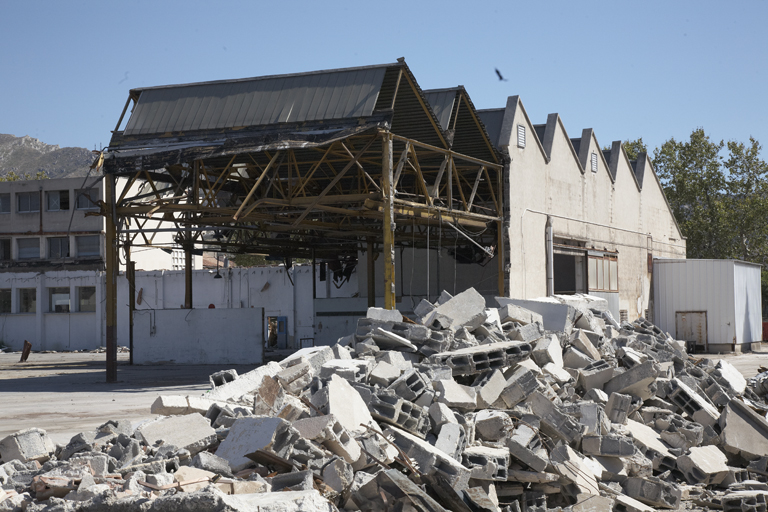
pixel 570 465
pixel 638 381
pixel 704 465
pixel 384 315
pixel 556 316
pixel 244 383
pixel 327 431
pixel 191 432
pixel 454 395
pixel 467 309
pixel 548 350
pixel 25 445
pixel 515 313
pixel 339 398
pixel 653 491
pixel 744 432
pixel 256 433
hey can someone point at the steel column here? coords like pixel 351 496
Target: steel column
pixel 111 277
pixel 387 190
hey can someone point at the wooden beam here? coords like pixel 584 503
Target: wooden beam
pixel 255 185
pixel 388 190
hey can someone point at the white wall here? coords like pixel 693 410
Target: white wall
pixel 199 336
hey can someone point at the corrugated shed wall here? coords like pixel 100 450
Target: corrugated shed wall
pixel 696 285
pixel 748 303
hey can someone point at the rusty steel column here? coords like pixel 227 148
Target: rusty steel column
pixel 387 189
pixel 111 262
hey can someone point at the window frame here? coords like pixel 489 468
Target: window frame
pixel 21 293
pixel 6 301
pixel 5 203
pixel 59 239
pixel 91 255
pixel 521 136
pixel 18 249
pixel 52 307
pixel 61 197
pixel 91 300
pixel 8 256
pixel 28 195
pixel 89 196
pixel 602 271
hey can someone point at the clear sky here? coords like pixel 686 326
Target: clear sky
pixel 651 69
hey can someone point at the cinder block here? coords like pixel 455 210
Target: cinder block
pixel 489 387
pixel 553 422
pixel 575 358
pixel 441 414
pixel 706 465
pixel 339 398
pixel 571 465
pixel 296 481
pixel 729 377
pixel 384 374
pixel 492 425
pixel 483 358
pixel 256 433
pixel 410 385
pixel 244 383
pixel 638 381
pixel 220 378
pixel 514 313
pixel 581 341
pixel 384 315
pixel 650 444
pixel 520 384
pixel 338 475
pixel 689 401
pixel 548 350
pixel 611 445
pixel 528 333
pixel 315 356
pixel 454 395
pixel 595 375
pixel 451 439
pixel 467 309
pixel 618 407
pixel 486 463
pixel 327 431
pixel 525 445
pixel 296 377
pixel 353 370
pixel 191 432
pixel 385 405
pixel 653 491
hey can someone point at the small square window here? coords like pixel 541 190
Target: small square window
pixel 87 198
pixel 5 203
pixel 27 300
pixel 29 248
pixel 5 300
pixel 521 136
pixel 58 247
pixel 87 245
pixel 86 298
pixel 594 162
pixel 28 202
pixel 58 200
pixel 59 299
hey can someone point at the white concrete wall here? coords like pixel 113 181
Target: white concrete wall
pixel 199 336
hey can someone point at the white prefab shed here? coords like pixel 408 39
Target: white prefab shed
pixel 715 305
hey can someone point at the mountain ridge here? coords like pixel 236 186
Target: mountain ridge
pixel 29 155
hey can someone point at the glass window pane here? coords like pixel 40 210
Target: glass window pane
pixel 86 198
pixel 5 249
pixel 600 275
pixel 58 247
pixel 5 203
pixel 87 245
pixel 59 299
pixel 607 274
pixel 614 264
pixel 29 248
pixel 27 300
pixel 592 273
pixel 5 300
pixel 86 298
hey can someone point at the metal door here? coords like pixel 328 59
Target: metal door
pixel 691 327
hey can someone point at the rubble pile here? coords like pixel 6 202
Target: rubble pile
pixel 532 406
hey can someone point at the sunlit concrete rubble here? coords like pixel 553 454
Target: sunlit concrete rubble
pixel 542 405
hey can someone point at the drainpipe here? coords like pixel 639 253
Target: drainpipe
pixel 550 258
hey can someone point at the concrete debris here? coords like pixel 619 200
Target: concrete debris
pixel 538 405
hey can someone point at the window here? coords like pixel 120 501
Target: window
pixel 58 298
pixel 5 300
pixel 5 203
pixel 58 200
pixel 594 162
pixel 5 249
pixel 29 248
pixel 87 245
pixel 521 136
pixel 86 198
pixel 28 202
pixel 27 300
pixel 58 247
pixel 86 298
pixel 603 273
pixel 178 259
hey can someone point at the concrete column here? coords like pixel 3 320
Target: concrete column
pixel 40 306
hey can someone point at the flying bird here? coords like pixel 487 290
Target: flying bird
pixel 501 78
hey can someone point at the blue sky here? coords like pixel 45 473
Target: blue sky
pixel 626 69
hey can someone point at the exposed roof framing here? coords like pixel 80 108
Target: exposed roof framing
pixel 293 165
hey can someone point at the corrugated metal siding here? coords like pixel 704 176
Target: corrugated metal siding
pixel 260 101
pixel 748 303
pixel 442 102
pixel 696 285
pixel 492 120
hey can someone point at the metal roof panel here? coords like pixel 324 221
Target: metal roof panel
pixel 442 102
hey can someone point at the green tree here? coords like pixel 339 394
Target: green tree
pixel 695 183
pixel 12 176
pixel 634 148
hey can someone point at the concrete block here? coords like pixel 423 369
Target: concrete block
pixel 353 370
pixel 396 359
pixel 441 414
pixel 391 490
pixel 338 475
pixel 489 387
pixel 528 333
pixel 597 396
pixel 694 405
pixel 729 377
pixel 548 350
pixel 515 313
pixel 617 408
pixel 555 315
pixel 653 491
pixel 483 358
pixel 595 375
pixel 315 356
pixel 168 405
pixel 553 422
pixel 384 315
pixel 627 504
pixel 534 501
pixel 492 425
pixel 190 432
pixel 385 405
pixel 339 398
pixel 592 503
pixel 575 358
pixel 384 374
pixel 592 416
pixel 467 309
pixel 706 465
pixel 423 308
pixel 426 399
pixel 650 444
pixel 525 445
pixel 284 501
pixel 744 432
pixel 568 463
pixel 611 445
pixel 581 341
pixel 519 385
pixel 486 463
pixel 638 381
pixel 341 352
pixel 454 395
pixel 295 481
pixel 256 433
pixel 390 341
pixel 410 385
pixel 26 445
pixel 244 383
pixel 630 357
pixel 296 377
pixel 451 440
pixel 327 431
pixel 220 378
pixel 429 459
pixel 558 373
pixel 745 501
pixel 210 462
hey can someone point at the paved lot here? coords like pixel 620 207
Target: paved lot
pixel 67 393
